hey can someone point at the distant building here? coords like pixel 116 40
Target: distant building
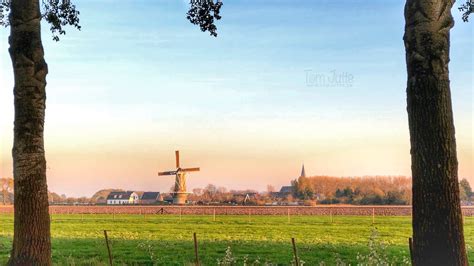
pixel 151 198
pixel 303 173
pixel 284 192
pixel 119 197
pixel 101 200
pixel 140 195
pixel 168 199
pixel 243 197
pixel 249 197
pixel 134 198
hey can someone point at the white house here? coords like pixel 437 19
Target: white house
pixel 119 197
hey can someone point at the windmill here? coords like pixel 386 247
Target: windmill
pixel 179 194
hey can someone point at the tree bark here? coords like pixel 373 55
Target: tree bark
pixel 31 240
pixel 438 237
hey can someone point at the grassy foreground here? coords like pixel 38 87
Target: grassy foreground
pixel 168 240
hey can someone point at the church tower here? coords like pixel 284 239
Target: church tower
pixel 303 173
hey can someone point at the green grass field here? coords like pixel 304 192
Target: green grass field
pixel 168 240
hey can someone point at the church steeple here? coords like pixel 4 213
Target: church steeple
pixel 303 173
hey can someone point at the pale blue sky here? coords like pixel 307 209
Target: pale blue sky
pixel 139 81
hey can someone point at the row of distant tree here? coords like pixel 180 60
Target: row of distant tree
pixel 367 190
pixel 54 198
pixel 465 191
pixel 6 195
pixel 214 194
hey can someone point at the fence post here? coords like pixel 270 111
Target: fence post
pixel 180 213
pixel 295 253
pixel 108 247
pixel 410 245
pixel 214 215
pixel 330 214
pixel 288 215
pixel 196 254
pixel 373 215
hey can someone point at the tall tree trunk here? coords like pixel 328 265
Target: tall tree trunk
pixel 437 220
pixel 31 240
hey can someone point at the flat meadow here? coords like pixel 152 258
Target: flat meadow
pixel 78 239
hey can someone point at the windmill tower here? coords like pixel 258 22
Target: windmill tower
pixel 179 194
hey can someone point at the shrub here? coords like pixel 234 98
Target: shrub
pixel 377 255
pixel 228 259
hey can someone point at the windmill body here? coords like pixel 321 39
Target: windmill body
pixel 180 194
